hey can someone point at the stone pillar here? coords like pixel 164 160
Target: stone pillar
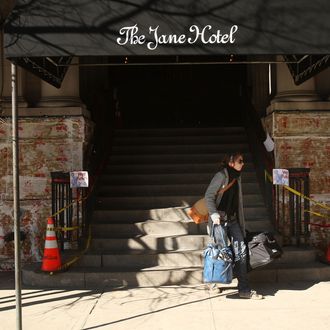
pixel 296 117
pixel 6 98
pixel 298 120
pixel 67 95
pixel 287 91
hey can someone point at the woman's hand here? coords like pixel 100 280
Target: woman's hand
pixel 215 218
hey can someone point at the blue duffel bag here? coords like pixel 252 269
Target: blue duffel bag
pixel 217 264
pixel 218 260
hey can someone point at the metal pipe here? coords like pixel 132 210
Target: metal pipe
pixel 17 241
pixel 168 63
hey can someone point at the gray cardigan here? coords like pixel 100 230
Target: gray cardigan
pixel 219 181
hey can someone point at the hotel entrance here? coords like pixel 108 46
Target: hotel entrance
pixel 168 95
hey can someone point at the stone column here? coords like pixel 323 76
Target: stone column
pixel 287 91
pixel 6 97
pixel 298 120
pixel 67 95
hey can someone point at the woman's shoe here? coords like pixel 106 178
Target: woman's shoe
pixel 212 288
pixel 251 295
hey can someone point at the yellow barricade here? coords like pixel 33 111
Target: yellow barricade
pixel 270 179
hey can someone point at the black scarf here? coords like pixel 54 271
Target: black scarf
pixel 229 200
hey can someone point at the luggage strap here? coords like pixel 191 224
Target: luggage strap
pixel 229 185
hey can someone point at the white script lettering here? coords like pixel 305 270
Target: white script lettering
pixel 206 35
pixel 164 39
pixel 207 38
pixel 131 37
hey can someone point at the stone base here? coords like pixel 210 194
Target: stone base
pixel 300 105
pixel 50 112
pixel 63 101
pixel 7 104
pixel 296 96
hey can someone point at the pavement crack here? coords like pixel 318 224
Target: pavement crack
pixel 92 308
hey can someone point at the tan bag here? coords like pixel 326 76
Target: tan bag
pixel 199 211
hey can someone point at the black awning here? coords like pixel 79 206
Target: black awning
pixel 50 69
pixel 303 67
pixel 40 28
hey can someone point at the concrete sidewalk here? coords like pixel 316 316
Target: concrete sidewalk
pixel 298 305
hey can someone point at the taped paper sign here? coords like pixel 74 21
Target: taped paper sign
pixel 78 179
pixel 281 176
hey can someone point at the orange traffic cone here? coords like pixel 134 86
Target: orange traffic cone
pixel 52 259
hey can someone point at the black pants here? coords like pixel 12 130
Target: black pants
pixel 233 231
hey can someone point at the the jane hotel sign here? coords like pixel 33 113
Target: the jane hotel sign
pixel 207 35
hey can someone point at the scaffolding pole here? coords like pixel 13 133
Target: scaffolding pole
pixel 17 240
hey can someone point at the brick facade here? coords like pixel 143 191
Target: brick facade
pixel 46 144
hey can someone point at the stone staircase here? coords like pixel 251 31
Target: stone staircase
pixel 141 234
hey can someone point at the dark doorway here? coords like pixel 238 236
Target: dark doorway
pixel 179 95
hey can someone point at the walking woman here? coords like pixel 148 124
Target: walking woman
pixel 226 214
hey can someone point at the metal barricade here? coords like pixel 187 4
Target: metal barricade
pixel 290 210
pixel 69 211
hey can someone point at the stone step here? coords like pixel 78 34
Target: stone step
pixel 141 259
pixel 164 214
pixel 208 168
pixel 293 255
pixel 170 158
pixel 178 149
pixel 182 139
pixel 101 277
pixel 193 258
pixel 286 272
pixel 150 227
pixel 259 225
pixel 184 178
pixel 140 222
pixel 152 201
pixel 179 132
pixel 165 189
pixel 150 242
pixel 154 242
pixel 132 216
